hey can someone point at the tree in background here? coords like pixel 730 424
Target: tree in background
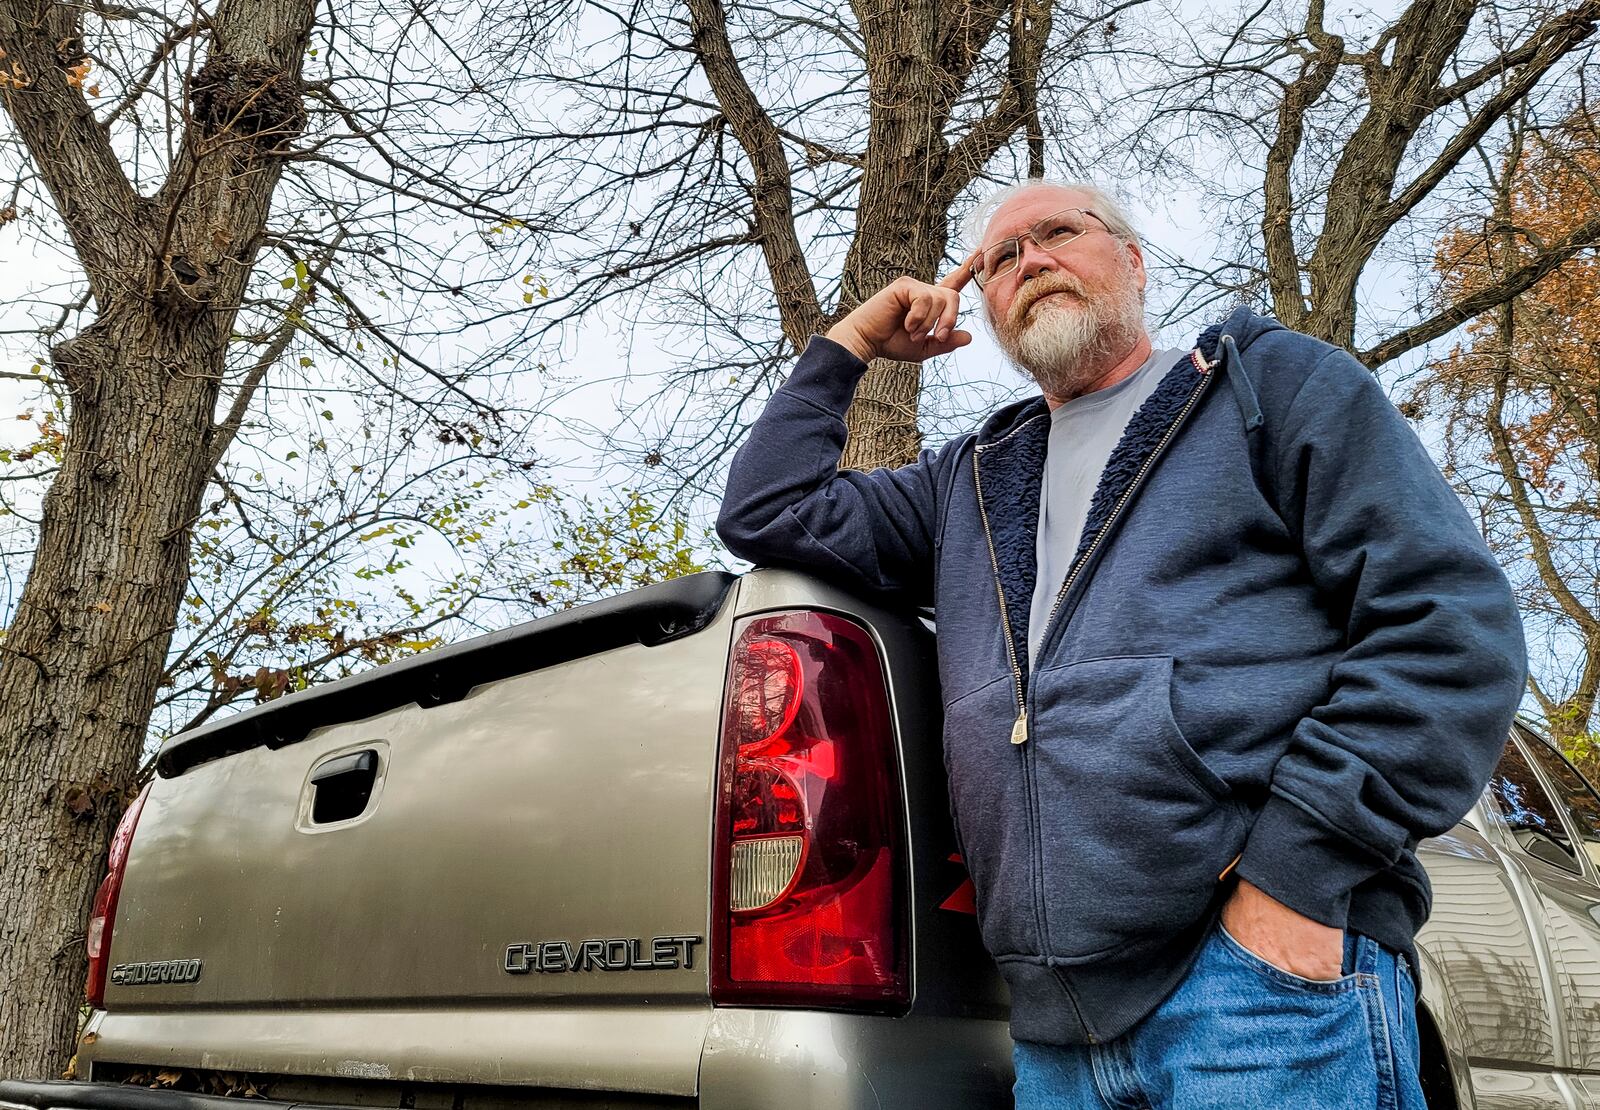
pixel 1520 398
pixel 377 585
pixel 750 173
pixel 281 376
pixel 1347 143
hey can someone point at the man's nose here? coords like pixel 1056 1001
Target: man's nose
pixel 1034 260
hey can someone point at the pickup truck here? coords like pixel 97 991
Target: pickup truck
pixel 685 847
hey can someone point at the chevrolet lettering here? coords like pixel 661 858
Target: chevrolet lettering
pixel 633 954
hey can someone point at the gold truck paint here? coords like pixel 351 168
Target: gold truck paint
pixel 569 804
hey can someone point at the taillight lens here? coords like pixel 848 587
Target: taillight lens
pixel 809 885
pixel 105 902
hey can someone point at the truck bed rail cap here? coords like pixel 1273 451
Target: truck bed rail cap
pixel 650 615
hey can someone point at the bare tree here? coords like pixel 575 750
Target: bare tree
pixel 749 173
pixel 1373 188
pixel 296 288
pixel 1349 139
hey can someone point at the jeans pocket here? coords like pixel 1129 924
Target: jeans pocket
pixel 1134 827
pixel 1277 976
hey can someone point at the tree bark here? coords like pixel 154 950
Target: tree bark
pixel 81 660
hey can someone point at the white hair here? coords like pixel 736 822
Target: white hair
pixel 1105 207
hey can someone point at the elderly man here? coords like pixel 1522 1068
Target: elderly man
pixel 1215 655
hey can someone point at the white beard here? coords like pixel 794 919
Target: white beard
pixel 1066 344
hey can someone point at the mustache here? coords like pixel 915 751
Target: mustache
pixel 1043 286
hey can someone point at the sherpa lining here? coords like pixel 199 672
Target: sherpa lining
pixel 1011 470
pixel 1139 439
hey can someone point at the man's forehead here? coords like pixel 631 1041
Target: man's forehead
pixel 1022 212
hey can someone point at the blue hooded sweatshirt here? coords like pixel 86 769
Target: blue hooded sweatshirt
pixel 1282 651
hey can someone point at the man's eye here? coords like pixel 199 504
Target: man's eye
pixel 1059 232
pixel 1001 255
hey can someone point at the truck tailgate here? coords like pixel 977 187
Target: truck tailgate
pixel 522 899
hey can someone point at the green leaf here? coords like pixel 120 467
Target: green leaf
pixel 287 283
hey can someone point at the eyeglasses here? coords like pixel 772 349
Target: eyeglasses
pixel 1051 233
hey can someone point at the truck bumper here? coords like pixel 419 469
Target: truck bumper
pixel 60 1094
pixel 748 1059
pixel 779 1059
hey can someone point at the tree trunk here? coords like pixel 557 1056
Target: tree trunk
pixel 918 61
pixel 80 662
pixel 82 658
pixel 920 58
pixel 900 228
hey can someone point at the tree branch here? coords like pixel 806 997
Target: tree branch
pixel 1538 542
pixel 1553 41
pixel 223 433
pixel 39 41
pixel 1015 106
pixel 798 306
pixel 1583 237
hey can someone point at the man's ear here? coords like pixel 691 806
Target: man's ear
pixel 1136 260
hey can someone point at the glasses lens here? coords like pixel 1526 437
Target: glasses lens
pixel 1051 233
pixel 998 261
pixel 1061 228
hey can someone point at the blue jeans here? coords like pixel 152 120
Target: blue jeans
pixel 1239 1033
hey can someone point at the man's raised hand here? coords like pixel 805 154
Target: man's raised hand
pixel 907 320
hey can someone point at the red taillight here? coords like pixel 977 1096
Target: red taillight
pixel 809 885
pixel 105 902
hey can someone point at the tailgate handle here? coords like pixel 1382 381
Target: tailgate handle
pixel 342 787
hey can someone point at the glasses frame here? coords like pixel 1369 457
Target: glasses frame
pixel 1033 233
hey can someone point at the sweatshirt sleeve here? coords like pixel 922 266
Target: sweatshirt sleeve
pixel 788 504
pixel 1434 666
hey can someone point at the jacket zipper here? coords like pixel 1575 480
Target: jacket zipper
pixel 1019 734
pixel 1019 729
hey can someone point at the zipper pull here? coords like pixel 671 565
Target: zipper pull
pixel 1019 731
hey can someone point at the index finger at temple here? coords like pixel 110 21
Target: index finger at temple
pixel 957 279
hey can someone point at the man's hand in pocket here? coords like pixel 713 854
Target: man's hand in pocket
pixel 1287 940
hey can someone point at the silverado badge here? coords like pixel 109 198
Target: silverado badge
pixel 156 971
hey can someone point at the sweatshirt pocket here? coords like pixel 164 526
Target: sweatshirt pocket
pixel 988 802
pixel 1134 826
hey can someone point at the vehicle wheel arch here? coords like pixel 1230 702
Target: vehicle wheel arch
pixel 1442 1038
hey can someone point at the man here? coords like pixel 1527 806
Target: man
pixel 1215 655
